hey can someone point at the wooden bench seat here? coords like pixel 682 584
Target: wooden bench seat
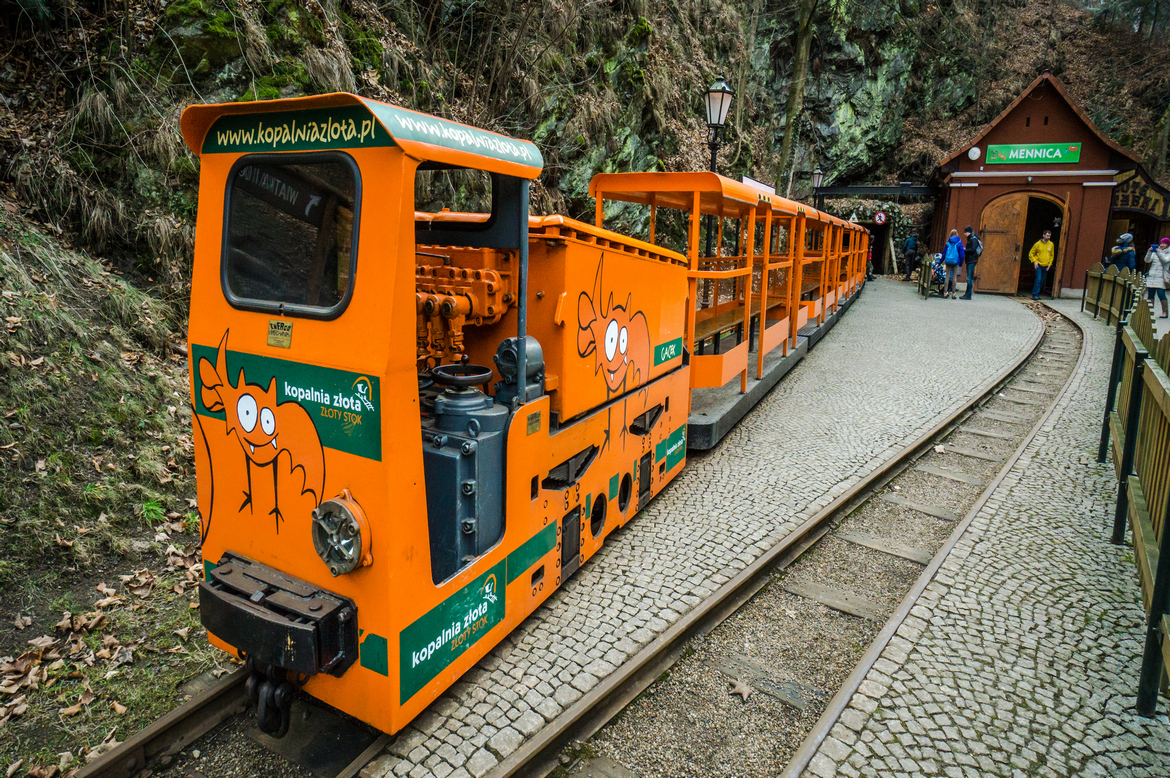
pixel 728 319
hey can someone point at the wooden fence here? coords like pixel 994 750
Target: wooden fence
pixel 1137 423
pixel 1110 292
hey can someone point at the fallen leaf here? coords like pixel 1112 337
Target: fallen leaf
pixel 118 707
pixel 72 710
pixel 123 656
pixel 63 543
pixel 40 466
pixel 38 361
pixel 12 768
pixel 65 758
pixel 183 632
pixel 742 689
pixel 97 464
pixel 106 590
pixel 43 642
pixel 940 449
pixel 22 622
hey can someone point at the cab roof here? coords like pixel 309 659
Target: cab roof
pixel 342 120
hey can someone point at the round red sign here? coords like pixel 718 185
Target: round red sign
pixel 879 217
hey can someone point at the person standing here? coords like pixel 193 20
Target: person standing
pixel 1123 254
pixel 1041 257
pixel 953 259
pixel 1159 275
pixel 974 249
pixel 909 253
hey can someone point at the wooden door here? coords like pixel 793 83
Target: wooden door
pixel 1001 229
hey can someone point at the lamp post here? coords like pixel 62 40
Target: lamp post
pixel 818 177
pixel 718 103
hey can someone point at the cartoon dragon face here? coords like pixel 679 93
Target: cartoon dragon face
pixel 620 339
pixel 251 409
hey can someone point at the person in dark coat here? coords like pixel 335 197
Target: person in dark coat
pixel 1123 254
pixel 974 249
pixel 910 254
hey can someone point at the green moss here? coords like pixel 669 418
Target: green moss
pixel 183 11
pixel 641 31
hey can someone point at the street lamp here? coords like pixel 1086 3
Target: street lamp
pixel 818 177
pixel 718 99
pixel 718 103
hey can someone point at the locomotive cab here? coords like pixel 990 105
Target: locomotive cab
pixel 412 423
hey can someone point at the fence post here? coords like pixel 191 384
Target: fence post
pixel 1112 294
pixel 1084 291
pixel 1111 396
pixel 1097 300
pixel 1129 447
pixel 1151 675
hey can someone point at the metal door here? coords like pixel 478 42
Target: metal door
pixel 1002 227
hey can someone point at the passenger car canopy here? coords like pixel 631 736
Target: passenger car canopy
pixel 717 195
pixel 343 120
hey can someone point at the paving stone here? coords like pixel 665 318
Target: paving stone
pixel 506 741
pixel 1007 669
pixel 480 762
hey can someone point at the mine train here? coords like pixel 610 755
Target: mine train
pixel 412 425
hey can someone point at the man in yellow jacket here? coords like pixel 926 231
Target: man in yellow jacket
pixel 1041 257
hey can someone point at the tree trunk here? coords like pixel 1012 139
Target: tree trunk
pixel 805 12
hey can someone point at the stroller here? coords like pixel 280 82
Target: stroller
pixel 933 278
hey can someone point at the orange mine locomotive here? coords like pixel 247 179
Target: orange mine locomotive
pixel 414 422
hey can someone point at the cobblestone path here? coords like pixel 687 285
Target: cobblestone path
pixel 891 368
pixel 1021 657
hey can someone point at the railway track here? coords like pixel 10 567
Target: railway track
pixel 976 441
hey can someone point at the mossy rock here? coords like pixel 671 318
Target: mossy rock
pixel 196 45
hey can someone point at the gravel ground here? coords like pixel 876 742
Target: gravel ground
pixel 886 520
pixel 935 490
pixel 228 751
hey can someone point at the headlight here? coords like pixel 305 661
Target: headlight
pixel 341 534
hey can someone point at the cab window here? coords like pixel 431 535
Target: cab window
pixel 290 238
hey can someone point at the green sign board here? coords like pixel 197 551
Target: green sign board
pixel 343 405
pixel 1031 153
pixel 433 642
pixel 673 449
pixel 344 127
pixel 664 352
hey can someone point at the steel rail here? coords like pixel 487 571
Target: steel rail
pixel 174 731
pixel 840 700
pixel 539 756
